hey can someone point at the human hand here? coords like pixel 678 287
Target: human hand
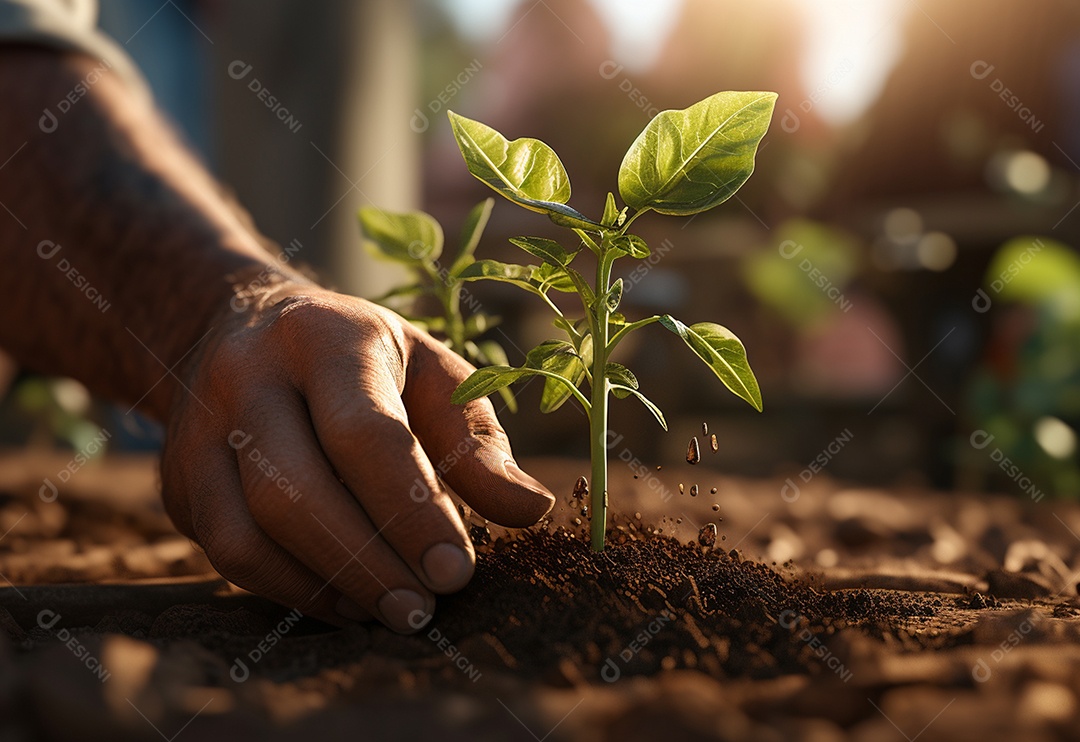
pixel 304 456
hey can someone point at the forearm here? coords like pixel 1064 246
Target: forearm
pixel 112 236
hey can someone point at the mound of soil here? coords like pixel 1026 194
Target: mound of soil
pixel 890 616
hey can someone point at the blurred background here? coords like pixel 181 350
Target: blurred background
pixel 902 267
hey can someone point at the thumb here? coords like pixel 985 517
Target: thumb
pixel 466 444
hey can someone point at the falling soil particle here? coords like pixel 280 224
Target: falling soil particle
pixel 693 452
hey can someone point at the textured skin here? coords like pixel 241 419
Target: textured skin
pixel 305 428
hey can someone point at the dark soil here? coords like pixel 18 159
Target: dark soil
pixel 555 606
pixel 892 615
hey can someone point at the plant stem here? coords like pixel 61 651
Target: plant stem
pixel 598 414
pixel 455 325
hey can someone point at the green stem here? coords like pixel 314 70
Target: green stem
pixel 455 325
pixel 598 415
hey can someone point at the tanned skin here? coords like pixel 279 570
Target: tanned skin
pixel 207 332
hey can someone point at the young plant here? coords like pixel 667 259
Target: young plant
pixel 683 162
pixel 415 240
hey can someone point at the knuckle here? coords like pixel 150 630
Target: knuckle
pixel 228 551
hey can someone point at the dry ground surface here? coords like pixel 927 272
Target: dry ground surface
pixel 838 614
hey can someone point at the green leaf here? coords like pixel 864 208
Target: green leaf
pixel 471 232
pixel 558 357
pixel 723 353
pixel 614 295
pixel 549 277
pixel 623 391
pixel 547 250
pixel 488 380
pixel 630 244
pixel 690 160
pixel 493 270
pixel 611 211
pixel 485 381
pixel 526 171
pixel 566 216
pixel 620 374
pixel 410 238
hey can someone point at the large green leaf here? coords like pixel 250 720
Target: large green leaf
pixel 471 233
pixel 690 160
pixel 723 353
pixel 409 237
pixel 558 357
pixel 526 171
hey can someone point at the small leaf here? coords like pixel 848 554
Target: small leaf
pixel 471 232
pixel 548 277
pixel 611 211
pixel 723 353
pixel 614 295
pixel 620 374
pixel 560 358
pixel 547 250
pixel 623 391
pixel 565 216
pixel 630 244
pixel 410 237
pixel 487 380
pixel 690 160
pixel 493 270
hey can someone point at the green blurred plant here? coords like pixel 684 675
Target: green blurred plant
pixel 415 240
pixel 1026 394
pixel 60 409
pixel 684 162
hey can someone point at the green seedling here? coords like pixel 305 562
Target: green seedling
pixel 415 240
pixel 683 162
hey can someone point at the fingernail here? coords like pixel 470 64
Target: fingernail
pixel 448 567
pixel 404 610
pixel 349 610
pixel 515 473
